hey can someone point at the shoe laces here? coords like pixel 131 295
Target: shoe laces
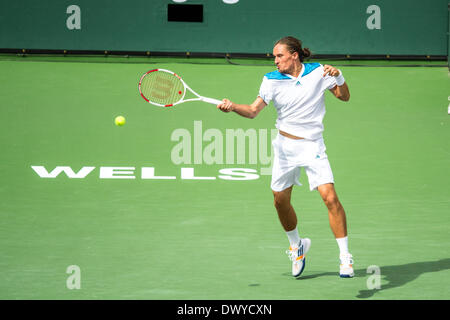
pixel 293 253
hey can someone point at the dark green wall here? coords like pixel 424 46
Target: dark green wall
pixel 408 27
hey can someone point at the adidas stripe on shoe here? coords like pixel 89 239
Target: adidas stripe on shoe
pixel 297 256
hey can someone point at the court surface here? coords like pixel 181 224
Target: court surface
pixel 188 238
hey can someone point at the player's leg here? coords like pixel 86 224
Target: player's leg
pixel 288 218
pixel 320 177
pixel 286 213
pixel 336 213
pixel 285 174
pixel 338 224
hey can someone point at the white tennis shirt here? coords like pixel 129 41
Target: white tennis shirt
pixel 300 102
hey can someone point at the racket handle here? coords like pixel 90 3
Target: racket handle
pixel 212 101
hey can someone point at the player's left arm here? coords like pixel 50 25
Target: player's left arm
pixel 340 91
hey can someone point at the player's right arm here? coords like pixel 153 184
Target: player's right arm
pixel 245 110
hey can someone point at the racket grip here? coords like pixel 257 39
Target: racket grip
pixel 212 101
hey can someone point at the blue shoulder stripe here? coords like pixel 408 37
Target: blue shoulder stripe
pixel 276 75
pixel 309 67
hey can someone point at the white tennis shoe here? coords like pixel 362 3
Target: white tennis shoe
pixel 346 267
pixel 297 256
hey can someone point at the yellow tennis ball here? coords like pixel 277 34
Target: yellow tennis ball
pixel 120 121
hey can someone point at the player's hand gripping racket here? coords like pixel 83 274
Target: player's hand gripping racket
pixel 165 88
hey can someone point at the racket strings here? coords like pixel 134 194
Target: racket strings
pixel 162 88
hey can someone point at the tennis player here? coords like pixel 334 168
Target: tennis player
pixel 297 91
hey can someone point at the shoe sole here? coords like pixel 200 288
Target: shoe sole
pixel 303 268
pixel 346 275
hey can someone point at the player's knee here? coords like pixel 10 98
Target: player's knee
pixel 331 200
pixel 277 202
pixel 280 201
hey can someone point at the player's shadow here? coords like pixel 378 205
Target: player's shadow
pixel 396 275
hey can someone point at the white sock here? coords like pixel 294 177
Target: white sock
pixel 343 245
pixel 293 237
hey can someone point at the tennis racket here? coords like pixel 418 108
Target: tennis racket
pixel 164 88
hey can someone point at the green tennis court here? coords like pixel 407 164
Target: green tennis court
pixel 140 224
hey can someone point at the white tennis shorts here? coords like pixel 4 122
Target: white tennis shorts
pixel 291 155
